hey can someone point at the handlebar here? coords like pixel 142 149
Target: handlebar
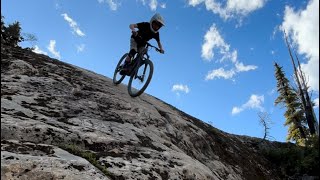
pixel 148 44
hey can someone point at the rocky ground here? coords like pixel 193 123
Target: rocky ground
pixel 59 121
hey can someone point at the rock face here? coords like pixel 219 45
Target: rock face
pixel 52 113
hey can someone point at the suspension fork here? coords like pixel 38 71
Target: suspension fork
pixel 144 70
pixel 145 67
pixel 136 67
pixel 139 62
pixel 140 77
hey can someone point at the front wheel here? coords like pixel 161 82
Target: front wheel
pixel 140 80
pixel 117 77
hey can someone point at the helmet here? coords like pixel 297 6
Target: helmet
pixel 157 17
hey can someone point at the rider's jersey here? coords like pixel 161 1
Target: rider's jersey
pixel 145 33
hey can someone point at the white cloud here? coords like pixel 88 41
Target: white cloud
pixel 244 7
pixel 213 39
pixel 181 87
pixel 80 47
pixel 73 25
pixel 39 51
pixel 303 28
pixel 163 5
pixel 236 110
pixel 143 2
pixel 220 73
pixel 153 4
pixel 111 3
pixel 232 8
pixel 255 102
pixel 242 68
pixel 213 42
pixel 52 49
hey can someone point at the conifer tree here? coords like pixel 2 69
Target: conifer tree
pixel 294 115
pixel 14 34
pixel 11 34
pixel 3 27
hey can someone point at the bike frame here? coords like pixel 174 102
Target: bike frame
pixel 136 74
pixel 139 60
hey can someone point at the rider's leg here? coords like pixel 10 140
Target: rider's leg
pixel 133 50
pixel 130 55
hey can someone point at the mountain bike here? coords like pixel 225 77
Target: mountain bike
pixel 140 71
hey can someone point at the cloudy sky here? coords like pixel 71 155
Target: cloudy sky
pixel 219 55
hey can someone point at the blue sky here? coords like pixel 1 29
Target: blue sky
pixel 219 55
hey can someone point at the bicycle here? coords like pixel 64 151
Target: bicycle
pixel 141 71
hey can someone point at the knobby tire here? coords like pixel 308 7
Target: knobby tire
pixel 117 70
pixel 130 88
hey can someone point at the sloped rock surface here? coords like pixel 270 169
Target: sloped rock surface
pixel 40 161
pixel 48 103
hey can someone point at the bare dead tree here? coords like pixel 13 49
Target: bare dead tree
pixel 263 116
pixel 307 109
pixel 309 103
pixel 265 121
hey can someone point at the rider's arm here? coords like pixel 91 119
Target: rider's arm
pixel 132 27
pixel 160 47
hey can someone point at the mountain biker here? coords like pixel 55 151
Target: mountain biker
pixel 146 31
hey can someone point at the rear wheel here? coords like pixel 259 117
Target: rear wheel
pixel 117 77
pixel 139 82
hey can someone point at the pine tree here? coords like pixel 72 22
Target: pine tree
pixel 3 28
pixel 14 34
pixel 294 115
pixel 11 34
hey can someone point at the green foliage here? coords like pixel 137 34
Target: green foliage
pixel 3 27
pixel 2 23
pixel 88 155
pixel 294 115
pixel 296 160
pixel 14 34
pixel 11 35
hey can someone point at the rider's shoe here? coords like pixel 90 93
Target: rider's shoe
pixel 125 69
